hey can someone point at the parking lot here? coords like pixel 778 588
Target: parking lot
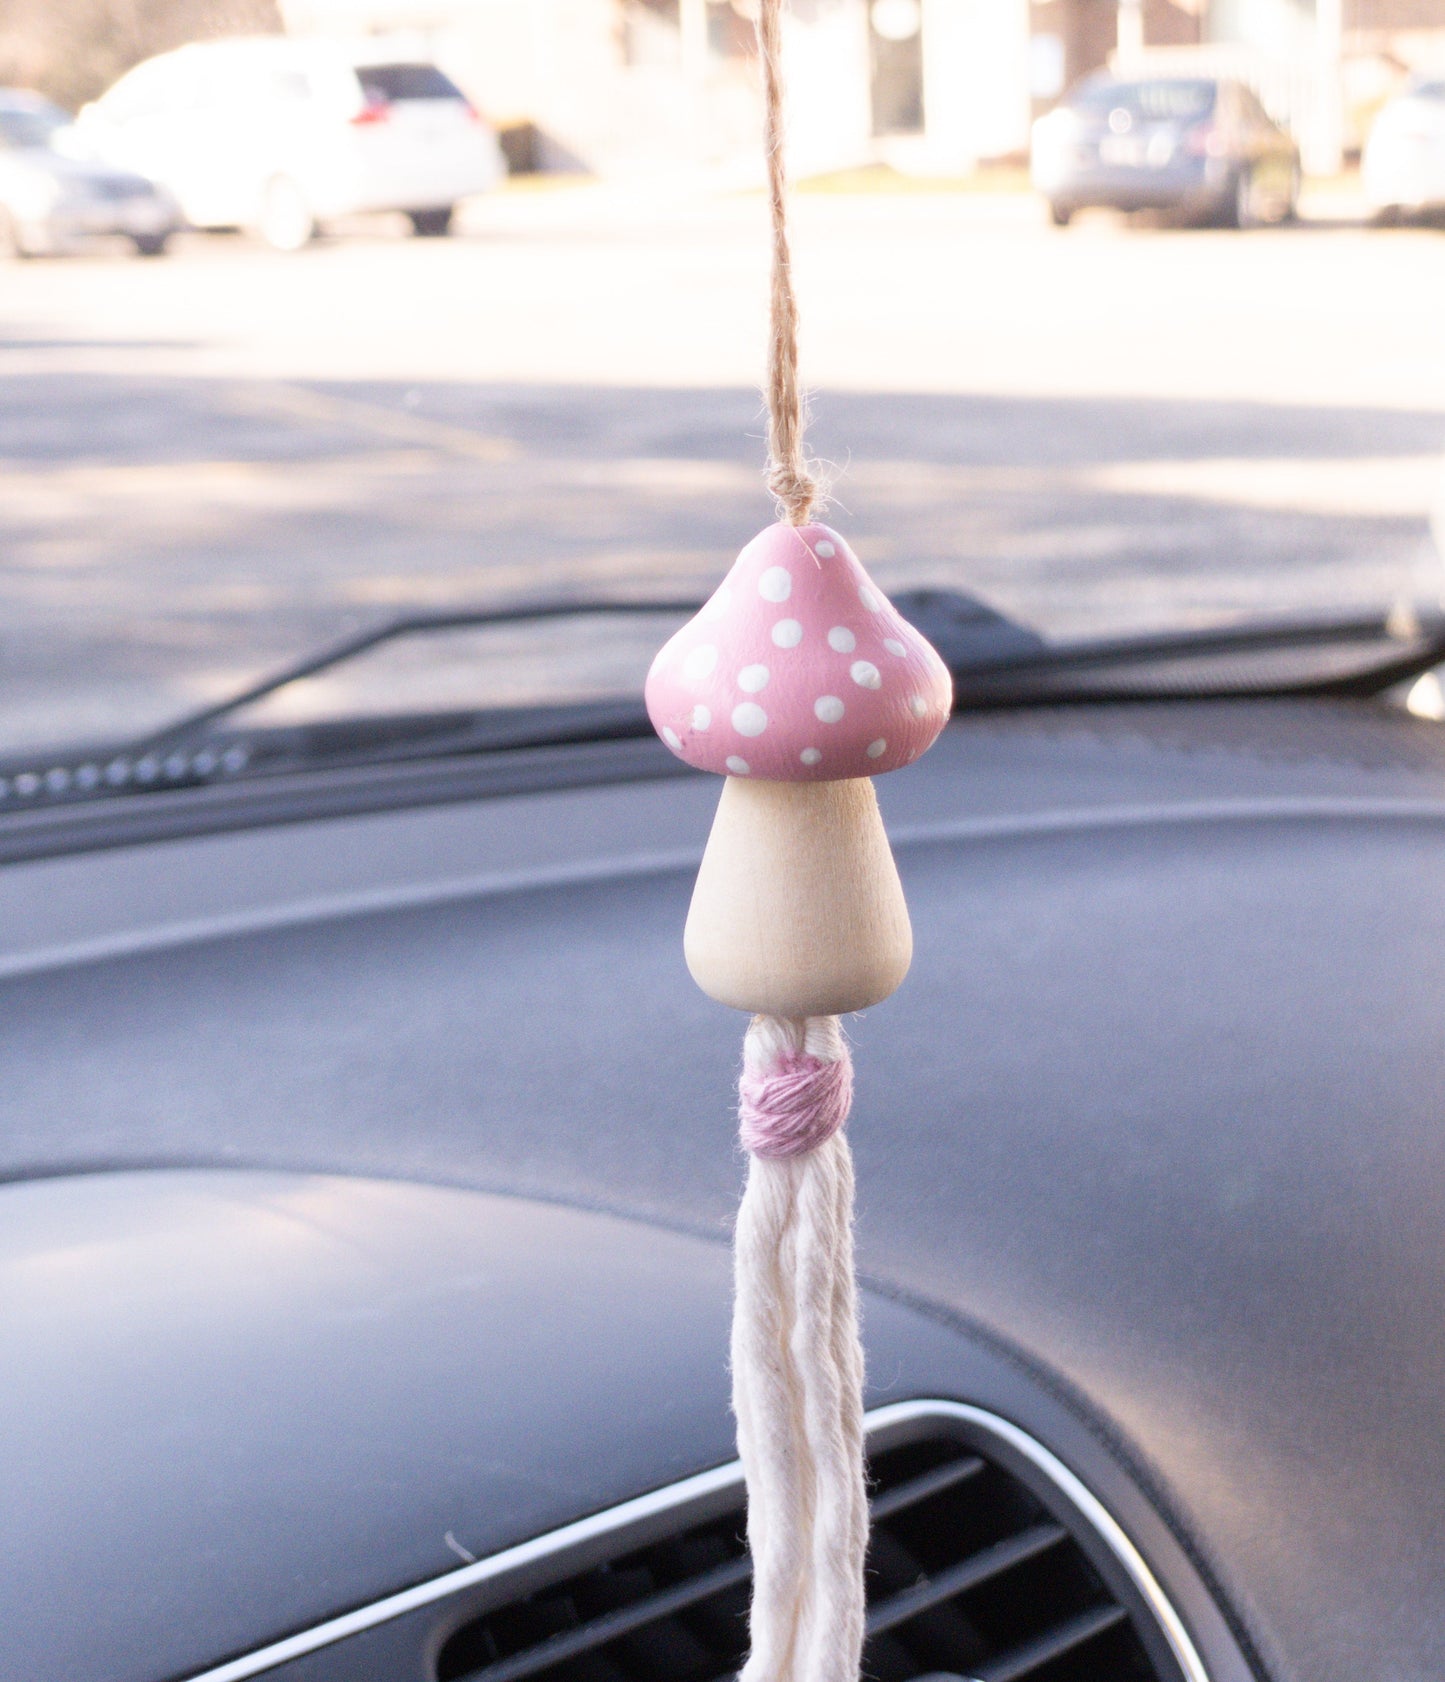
pixel 212 461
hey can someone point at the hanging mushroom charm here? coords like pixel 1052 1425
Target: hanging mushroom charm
pixel 795 681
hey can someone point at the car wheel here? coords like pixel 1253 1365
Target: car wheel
pixel 431 224
pixel 12 242
pixel 1243 210
pixel 1061 214
pixel 286 222
pixel 150 245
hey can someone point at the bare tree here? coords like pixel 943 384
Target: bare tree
pixel 74 49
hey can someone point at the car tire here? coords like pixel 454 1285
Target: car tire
pixel 431 224
pixel 1242 209
pixel 1290 213
pixel 286 221
pixel 12 241
pixel 1060 214
pixel 150 245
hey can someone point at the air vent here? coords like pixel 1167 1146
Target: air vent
pixel 973 1577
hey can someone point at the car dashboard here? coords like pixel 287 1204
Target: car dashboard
pixel 368 1172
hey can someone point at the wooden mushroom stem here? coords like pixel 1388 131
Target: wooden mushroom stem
pixel 798 910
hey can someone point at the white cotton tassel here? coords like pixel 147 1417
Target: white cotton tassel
pixel 798 1366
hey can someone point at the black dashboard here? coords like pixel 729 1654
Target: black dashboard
pixel 370 1169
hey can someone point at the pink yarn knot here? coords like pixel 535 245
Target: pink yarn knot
pixel 796 1106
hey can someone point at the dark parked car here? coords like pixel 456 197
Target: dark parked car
pixel 1200 147
pixel 364 1278
pixel 55 199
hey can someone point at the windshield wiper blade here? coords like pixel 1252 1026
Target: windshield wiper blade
pixel 1175 665
pixel 184 729
pixel 996 663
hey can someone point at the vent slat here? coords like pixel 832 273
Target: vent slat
pixel 967 1574
pixel 1034 1655
pixel 972 1578
pixel 918 1489
pixel 597 1632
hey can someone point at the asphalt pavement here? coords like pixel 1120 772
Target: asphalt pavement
pixel 211 462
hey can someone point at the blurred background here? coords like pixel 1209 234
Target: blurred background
pixel 1119 314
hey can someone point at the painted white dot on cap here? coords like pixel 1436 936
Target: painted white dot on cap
pixel 841 640
pixel 787 633
pixel 738 767
pixel 865 674
pixel 917 706
pixel 811 756
pixel 776 584
pixel 701 717
pixel 869 598
pixel 671 738
pixel 753 678
pixel 875 749
pixel 749 719
pixel 699 661
pixel 722 600
pixel 894 647
pixel 825 549
pixel 828 708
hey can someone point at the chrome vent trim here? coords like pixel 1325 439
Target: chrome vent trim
pixel 648 1516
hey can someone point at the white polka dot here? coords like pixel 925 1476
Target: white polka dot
pixel 753 678
pixel 865 674
pixel 671 738
pixel 787 633
pixel 917 706
pixel 699 662
pixel 825 549
pixel 701 718
pixel 738 767
pixel 869 598
pixel 776 584
pixel 875 749
pixel 749 719
pixel 811 756
pixel 829 708
pixel 721 601
pixel 894 647
pixel 841 640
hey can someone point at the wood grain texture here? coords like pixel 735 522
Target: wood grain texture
pixel 798 910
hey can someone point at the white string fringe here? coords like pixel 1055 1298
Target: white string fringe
pixel 798 1391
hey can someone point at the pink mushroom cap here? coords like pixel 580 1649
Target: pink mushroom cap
pixel 799 669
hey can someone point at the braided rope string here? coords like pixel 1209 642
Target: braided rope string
pixel 788 477
pixel 796 1356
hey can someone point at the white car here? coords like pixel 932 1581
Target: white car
pixel 1403 168
pixel 282 135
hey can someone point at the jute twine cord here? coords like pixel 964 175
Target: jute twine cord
pixel 788 477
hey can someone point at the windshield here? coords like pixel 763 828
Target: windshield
pixel 406 81
pixel 1160 386
pixel 1153 101
pixel 30 126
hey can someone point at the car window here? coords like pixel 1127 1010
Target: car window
pixel 25 128
pixel 1152 101
pixel 405 81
